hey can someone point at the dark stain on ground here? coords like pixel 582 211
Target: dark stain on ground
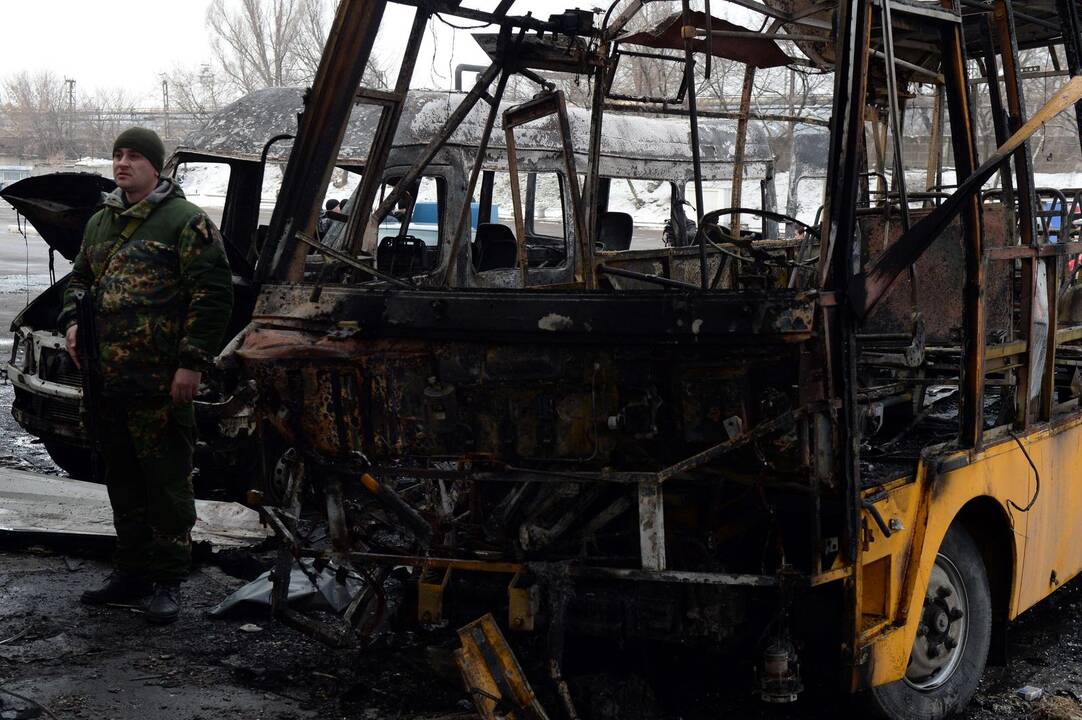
pixel 84 662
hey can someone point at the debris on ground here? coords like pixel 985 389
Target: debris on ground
pixel 325 593
pixel 1057 707
pixel 493 676
pixel 1030 693
pixel 85 662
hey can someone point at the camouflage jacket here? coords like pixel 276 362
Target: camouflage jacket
pixel 162 290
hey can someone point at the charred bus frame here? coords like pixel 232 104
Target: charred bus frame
pixel 346 370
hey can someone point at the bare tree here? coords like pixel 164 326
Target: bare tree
pixel 254 41
pixel 105 113
pixel 314 22
pixel 270 43
pixel 197 92
pixel 316 17
pixel 36 106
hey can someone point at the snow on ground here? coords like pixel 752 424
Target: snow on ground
pixel 809 196
pixel 93 162
pixel 810 190
pixel 206 183
pixel 343 184
pixel 15 284
pixel 1058 180
pixel 649 202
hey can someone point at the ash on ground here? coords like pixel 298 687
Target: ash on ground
pixel 84 662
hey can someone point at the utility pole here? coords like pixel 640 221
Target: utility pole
pixel 165 103
pixel 206 82
pixel 69 83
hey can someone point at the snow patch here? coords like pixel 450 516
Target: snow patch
pixel 206 183
pixel 15 284
pixel 28 229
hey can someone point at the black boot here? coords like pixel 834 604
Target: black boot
pixel 164 606
pixel 119 587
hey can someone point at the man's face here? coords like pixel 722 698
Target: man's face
pixel 133 173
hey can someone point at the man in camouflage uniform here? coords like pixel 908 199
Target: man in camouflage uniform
pixel 156 269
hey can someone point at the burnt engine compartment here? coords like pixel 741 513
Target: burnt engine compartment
pixel 532 406
pixel 430 431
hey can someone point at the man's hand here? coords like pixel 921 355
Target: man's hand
pixel 72 338
pixel 185 384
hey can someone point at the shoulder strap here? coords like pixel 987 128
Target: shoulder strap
pixel 130 228
pixel 125 236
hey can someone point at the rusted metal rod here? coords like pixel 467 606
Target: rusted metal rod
pixel 625 106
pixel 393 502
pixel 759 35
pixel 351 261
pixel 895 115
pixel 655 279
pixel 449 126
pixel 1031 299
pixel 868 288
pixel 689 74
pixel 936 77
pixel 1031 75
pixel 383 139
pixel 462 226
pixel 352 36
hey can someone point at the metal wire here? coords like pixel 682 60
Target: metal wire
pixel 1037 475
pixel 461 27
pixel 21 224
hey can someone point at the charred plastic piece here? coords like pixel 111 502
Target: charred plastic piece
pixel 779 679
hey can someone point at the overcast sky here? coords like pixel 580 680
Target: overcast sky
pixel 120 43
pixel 131 43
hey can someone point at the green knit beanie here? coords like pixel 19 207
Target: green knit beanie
pixel 144 141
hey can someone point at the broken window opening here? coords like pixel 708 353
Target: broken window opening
pixel 635 213
pixel 545 227
pixel 409 236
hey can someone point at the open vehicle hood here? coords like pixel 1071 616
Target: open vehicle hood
pixel 59 205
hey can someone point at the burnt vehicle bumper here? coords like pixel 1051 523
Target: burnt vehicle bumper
pixel 48 390
pixel 48 405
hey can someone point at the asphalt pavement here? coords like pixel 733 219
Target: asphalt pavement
pixel 19 253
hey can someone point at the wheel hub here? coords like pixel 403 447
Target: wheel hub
pixel 938 619
pixel 941 635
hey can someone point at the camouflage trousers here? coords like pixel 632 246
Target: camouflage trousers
pixel 147 451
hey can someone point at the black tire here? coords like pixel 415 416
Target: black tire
pixel 73 460
pixel 924 695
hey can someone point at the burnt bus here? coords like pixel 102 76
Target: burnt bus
pixel 789 438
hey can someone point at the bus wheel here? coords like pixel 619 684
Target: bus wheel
pixel 951 647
